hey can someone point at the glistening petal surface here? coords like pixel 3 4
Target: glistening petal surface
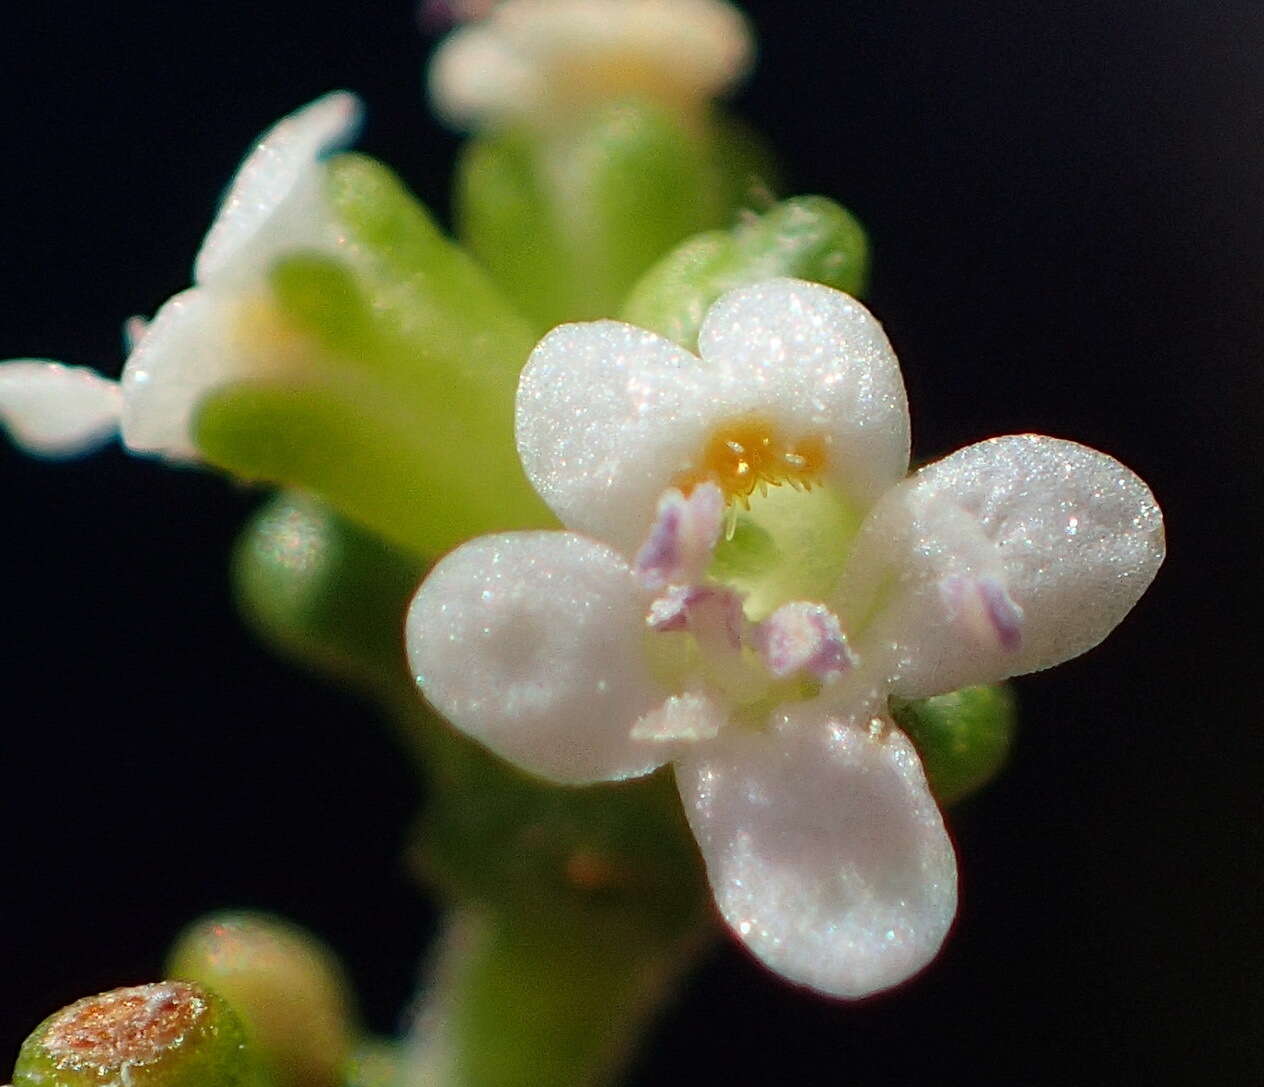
pixel 274 204
pixel 55 410
pixel 826 854
pixel 607 414
pixel 532 643
pixel 1071 536
pixel 815 362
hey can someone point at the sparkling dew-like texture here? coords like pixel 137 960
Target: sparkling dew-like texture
pixel 778 878
pixel 824 848
pixel 497 663
pixel 1072 535
pixel 609 415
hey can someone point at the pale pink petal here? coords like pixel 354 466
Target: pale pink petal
pixel 1007 557
pixel 533 644
pixel 826 854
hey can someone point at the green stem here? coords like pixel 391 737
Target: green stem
pixel 521 1000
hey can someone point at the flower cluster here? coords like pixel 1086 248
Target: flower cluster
pixel 746 579
pixel 748 574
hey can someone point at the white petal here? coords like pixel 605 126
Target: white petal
pixel 275 204
pixel 826 854
pixel 530 57
pixel 607 416
pixel 477 76
pixel 56 410
pixel 188 349
pixel 814 361
pixel 533 644
pixel 1071 536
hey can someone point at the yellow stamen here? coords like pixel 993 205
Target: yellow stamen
pixel 748 454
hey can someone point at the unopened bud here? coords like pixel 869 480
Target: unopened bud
pixel 169 1034
pixel 284 983
pixel 963 737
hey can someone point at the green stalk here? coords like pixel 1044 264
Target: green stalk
pixel 521 1000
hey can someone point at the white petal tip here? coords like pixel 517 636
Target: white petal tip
pixel 284 157
pixel 53 410
pixel 827 856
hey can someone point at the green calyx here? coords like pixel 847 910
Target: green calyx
pixel 286 986
pixel 394 397
pixel 963 737
pixel 567 219
pixel 807 237
pixel 169 1034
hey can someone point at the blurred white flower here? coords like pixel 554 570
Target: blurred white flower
pixel 748 577
pixel 203 338
pixel 541 59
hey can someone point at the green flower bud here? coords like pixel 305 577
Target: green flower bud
pixel 963 737
pixel 327 592
pixel 286 986
pixel 566 220
pixel 170 1034
pixel 808 237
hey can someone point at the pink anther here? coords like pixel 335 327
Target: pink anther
pixel 682 538
pixel 712 614
pixel 803 637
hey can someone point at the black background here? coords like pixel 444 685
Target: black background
pixel 1067 207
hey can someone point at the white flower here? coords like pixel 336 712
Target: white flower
pixel 748 577
pixel 532 59
pixel 202 338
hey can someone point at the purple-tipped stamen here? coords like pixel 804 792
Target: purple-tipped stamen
pixel 682 539
pixel 712 614
pixel 803 637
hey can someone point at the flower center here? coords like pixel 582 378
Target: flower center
pixel 786 531
pixel 748 455
pixel 707 642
